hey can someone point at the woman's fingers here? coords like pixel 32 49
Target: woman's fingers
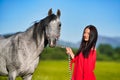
pixel 68 50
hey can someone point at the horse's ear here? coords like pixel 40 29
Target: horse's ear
pixel 50 12
pixel 58 13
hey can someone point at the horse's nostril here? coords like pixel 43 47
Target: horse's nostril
pixel 52 43
pixel 52 46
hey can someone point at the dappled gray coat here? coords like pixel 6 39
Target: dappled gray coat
pixel 19 53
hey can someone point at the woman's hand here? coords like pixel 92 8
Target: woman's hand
pixel 70 52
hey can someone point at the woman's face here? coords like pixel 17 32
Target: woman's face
pixel 86 34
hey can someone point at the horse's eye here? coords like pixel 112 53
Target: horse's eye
pixel 59 25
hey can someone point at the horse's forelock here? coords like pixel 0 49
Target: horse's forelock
pixel 52 17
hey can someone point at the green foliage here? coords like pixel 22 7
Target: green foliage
pixel 105 52
pixel 108 53
pixel 53 53
pixel 106 49
pixel 56 53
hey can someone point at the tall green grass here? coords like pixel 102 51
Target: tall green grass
pixel 107 70
pixel 58 70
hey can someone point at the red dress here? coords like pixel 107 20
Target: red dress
pixel 84 67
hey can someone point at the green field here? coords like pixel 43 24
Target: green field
pixel 58 70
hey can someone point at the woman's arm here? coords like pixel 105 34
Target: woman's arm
pixel 70 52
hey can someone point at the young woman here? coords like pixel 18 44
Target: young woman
pixel 85 58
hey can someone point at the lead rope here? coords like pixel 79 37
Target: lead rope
pixel 69 64
pixel 69 67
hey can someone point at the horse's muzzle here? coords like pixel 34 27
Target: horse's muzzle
pixel 52 43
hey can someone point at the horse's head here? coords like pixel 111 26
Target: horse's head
pixel 53 28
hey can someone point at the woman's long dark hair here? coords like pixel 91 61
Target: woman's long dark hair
pixel 85 49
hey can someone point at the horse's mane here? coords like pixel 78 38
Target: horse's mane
pixel 38 27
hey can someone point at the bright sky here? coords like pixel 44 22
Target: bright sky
pixel 18 15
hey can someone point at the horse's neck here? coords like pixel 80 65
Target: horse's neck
pixel 38 49
pixel 35 47
pixel 33 51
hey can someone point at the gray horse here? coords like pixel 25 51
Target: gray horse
pixel 19 53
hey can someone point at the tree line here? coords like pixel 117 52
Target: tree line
pixel 105 52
